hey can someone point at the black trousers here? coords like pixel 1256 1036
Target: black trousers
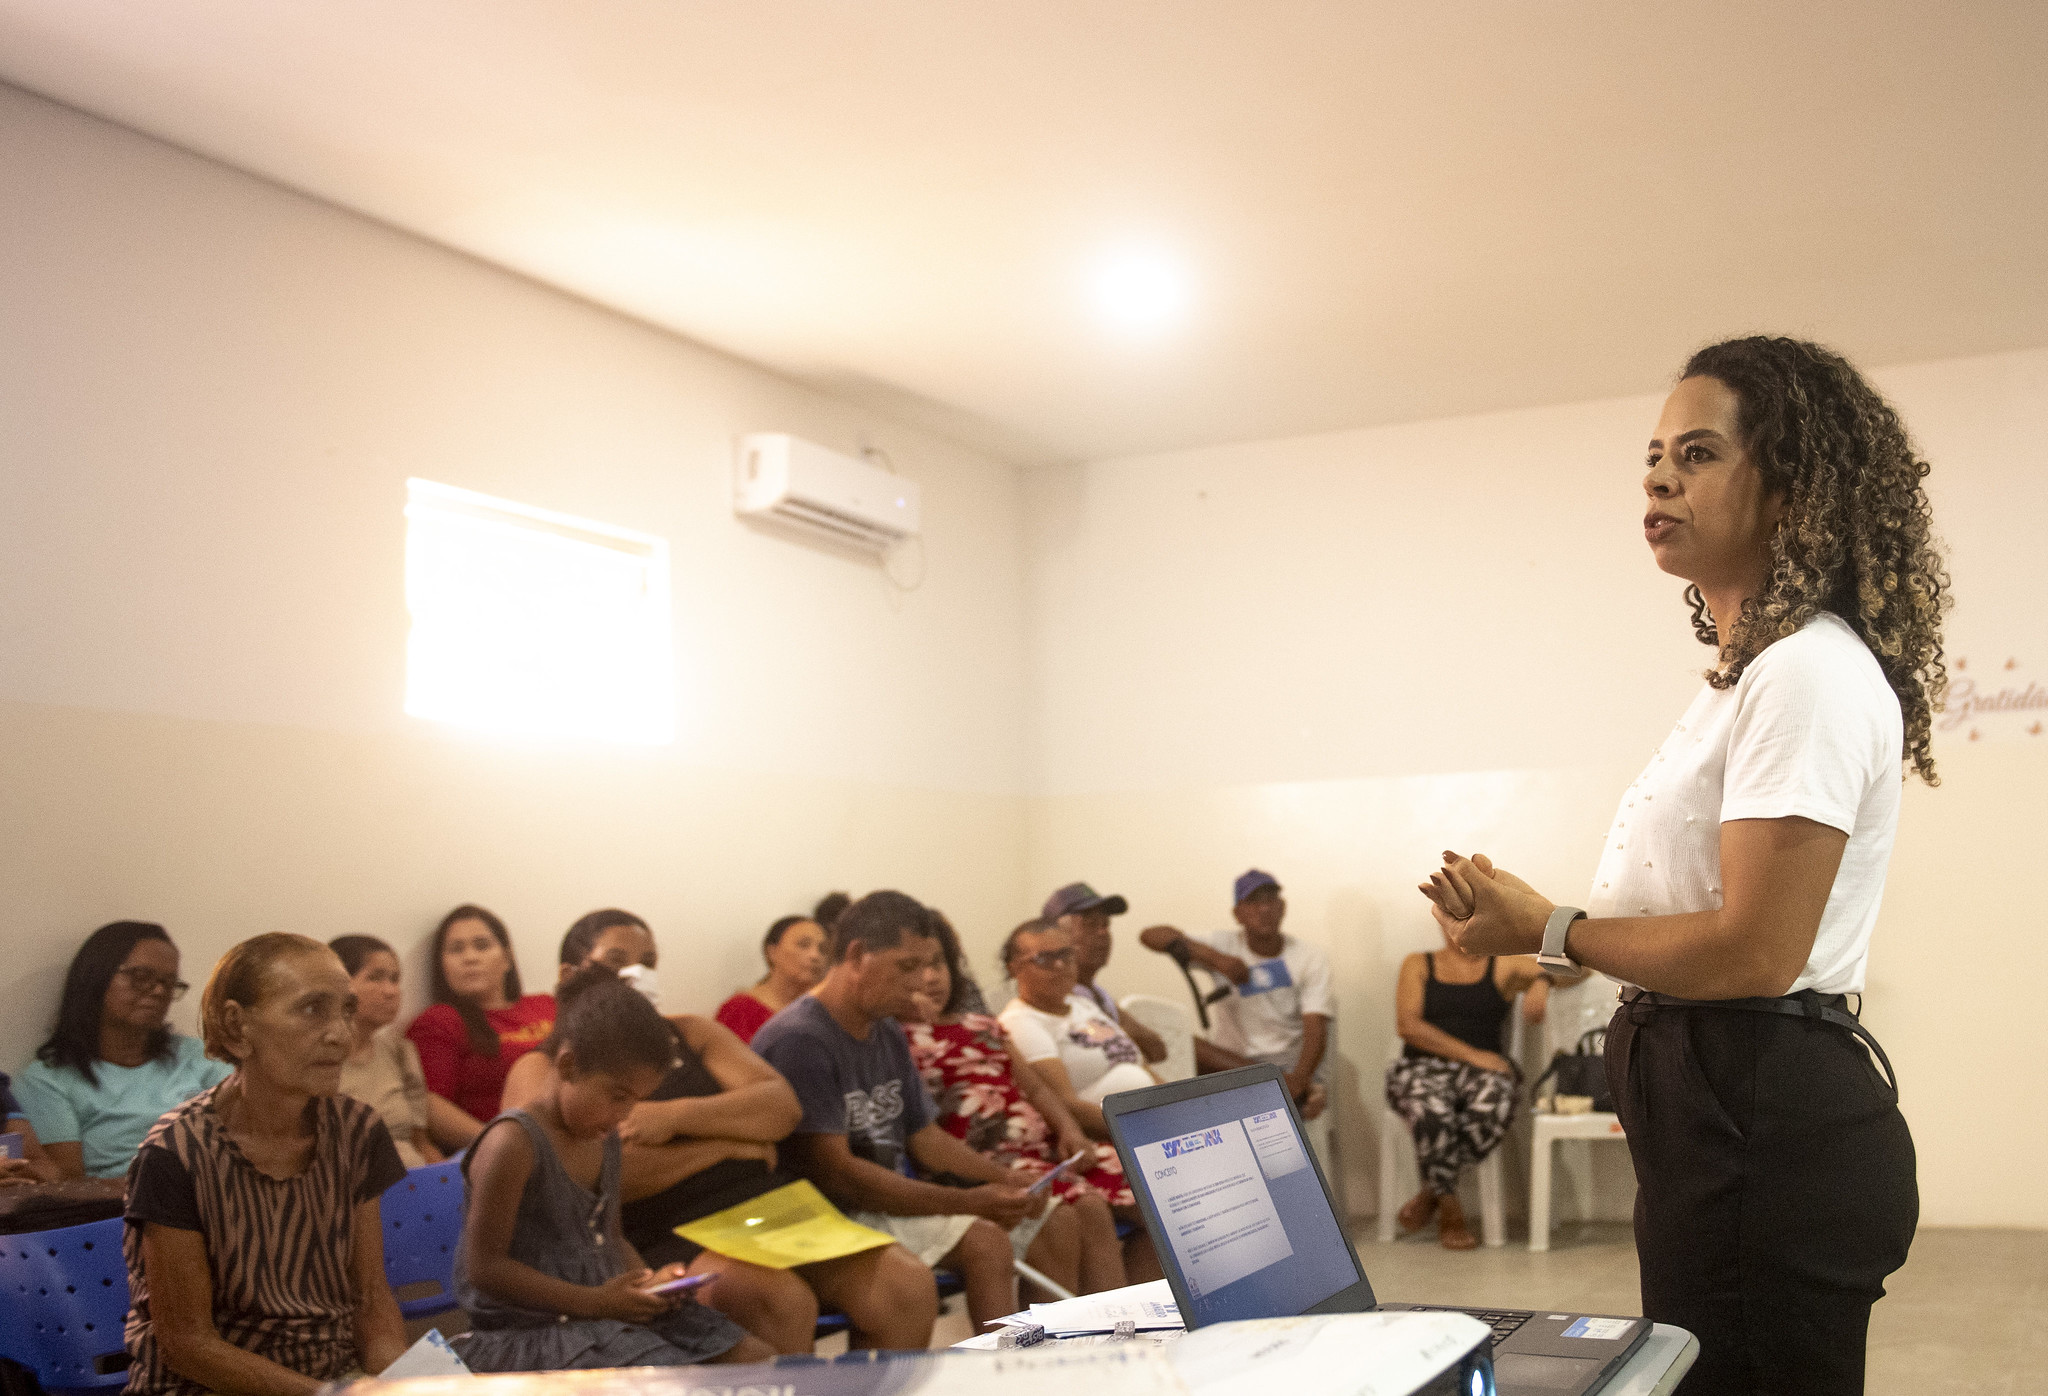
pixel 1775 1191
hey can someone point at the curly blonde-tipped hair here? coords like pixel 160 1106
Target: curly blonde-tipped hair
pixel 1857 539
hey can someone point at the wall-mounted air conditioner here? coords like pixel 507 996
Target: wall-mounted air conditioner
pixel 792 481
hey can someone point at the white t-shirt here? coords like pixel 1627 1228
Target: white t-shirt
pixel 1262 1019
pixel 1099 1056
pixel 1811 729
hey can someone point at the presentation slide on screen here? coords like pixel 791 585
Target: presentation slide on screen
pixel 1210 1189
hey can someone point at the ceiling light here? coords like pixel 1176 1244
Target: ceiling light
pixel 1141 290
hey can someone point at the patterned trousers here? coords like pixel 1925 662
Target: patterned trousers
pixel 1457 1113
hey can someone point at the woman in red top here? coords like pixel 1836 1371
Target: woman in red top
pixel 795 951
pixel 479 1023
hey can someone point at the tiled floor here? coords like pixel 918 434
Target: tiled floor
pixel 1967 1314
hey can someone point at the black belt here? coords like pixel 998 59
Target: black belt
pixel 1807 1003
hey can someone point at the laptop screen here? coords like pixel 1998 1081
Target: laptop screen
pixel 1251 1229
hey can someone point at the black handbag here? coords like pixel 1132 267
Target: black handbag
pixel 1581 1071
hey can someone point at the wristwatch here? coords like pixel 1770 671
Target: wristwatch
pixel 1552 955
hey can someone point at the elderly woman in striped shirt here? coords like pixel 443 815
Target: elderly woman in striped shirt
pixel 254 1244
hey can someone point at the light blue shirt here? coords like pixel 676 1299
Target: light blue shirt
pixel 109 1120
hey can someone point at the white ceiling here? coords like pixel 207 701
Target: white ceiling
pixel 1389 211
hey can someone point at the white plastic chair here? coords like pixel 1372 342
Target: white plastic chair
pixel 1544 1131
pixel 1176 1028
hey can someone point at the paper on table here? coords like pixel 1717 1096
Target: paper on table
pixel 429 1357
pixel 1150 1306
pixel 790 1226
pixel 1337 1354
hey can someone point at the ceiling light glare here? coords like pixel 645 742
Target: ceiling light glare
pixel 1141 291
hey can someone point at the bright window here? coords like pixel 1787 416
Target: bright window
pixel 531 623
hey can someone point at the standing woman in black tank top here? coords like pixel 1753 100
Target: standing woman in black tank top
pixel 1451 1084
pixel 1739 885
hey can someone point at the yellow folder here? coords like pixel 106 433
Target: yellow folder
pixel 793 1225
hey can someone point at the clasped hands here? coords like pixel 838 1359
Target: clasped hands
pixel 1485 910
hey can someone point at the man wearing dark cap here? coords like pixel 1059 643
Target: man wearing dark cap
pixel 1084 913
pixel 1281 1001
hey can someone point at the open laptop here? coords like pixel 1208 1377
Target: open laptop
pixel 1240 1214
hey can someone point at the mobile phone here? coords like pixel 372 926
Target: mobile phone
pixel 1049 1179
pixel 10 1145
pixel 681 1283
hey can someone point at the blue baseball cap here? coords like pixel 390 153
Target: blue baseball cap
pixel 1079 896
pixel 1253 881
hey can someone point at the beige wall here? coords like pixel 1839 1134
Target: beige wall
pixel 212 393
pixel 1333 657
pixel 1329 656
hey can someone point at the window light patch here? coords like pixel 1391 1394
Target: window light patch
pixel 530 623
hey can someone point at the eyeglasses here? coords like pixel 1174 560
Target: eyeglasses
pixel 143 982
pixel 1051 959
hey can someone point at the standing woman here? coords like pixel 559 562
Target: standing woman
pixel 113 1064
pixel 480 1022
pixel 1737 890
pixel 795 951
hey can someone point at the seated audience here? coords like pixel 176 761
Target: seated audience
pixel 867 1120
pixel 480 1022
pixel 544 1271
pixel 383 1070
pixel 1280 1002
pixel 23 1160
pixel 255 1243
pixel 1066 1037
pixel 1451 1083
pixel 113 1066
pixel 1084 914
pixel 989 1099
pixel 703 1141
pixel 795 951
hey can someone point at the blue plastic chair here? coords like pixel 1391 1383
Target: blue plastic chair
pixel 63 1304
pixel 422 1214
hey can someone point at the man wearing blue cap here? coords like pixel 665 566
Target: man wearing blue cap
pixel 1281 1000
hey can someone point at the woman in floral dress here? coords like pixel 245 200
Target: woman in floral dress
pixel 991 1099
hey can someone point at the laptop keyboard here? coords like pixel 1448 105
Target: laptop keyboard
pixel 1501 1322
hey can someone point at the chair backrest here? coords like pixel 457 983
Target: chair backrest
pixel 64 1303
pixel 1176 1028
pixel 422 1214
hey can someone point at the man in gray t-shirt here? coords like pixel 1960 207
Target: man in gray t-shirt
pixel 867 1123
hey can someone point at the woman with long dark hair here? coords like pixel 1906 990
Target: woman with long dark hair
pixel 113 1064
pixel 1739 885
pixel 480 1021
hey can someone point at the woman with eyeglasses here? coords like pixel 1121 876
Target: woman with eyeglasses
pixel 1068 1041
pixel 113 1065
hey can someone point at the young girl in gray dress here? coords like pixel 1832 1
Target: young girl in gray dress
pixel 544 1272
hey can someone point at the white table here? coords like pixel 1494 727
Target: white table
pixel 1545 1131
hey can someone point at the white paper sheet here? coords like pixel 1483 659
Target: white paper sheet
pixel 1150 1306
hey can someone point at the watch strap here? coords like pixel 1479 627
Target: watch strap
pixel 1552 955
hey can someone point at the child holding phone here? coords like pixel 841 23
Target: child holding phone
pixel 547 1277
